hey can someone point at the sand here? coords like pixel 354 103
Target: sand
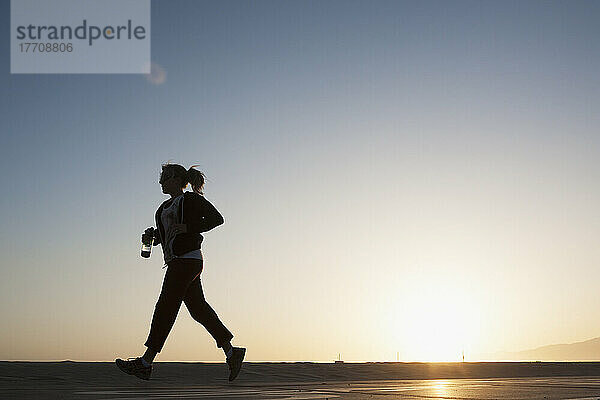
pixel 83 380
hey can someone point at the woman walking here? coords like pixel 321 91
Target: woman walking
pixel 180 221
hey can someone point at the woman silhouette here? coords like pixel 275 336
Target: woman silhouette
pixel 179 223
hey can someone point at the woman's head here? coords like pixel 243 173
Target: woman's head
pixel 175 177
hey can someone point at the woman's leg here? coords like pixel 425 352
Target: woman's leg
pixel 180 272
pixel 202 312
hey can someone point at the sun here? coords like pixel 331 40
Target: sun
pixel 435 323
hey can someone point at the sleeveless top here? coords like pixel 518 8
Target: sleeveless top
pixel 169 218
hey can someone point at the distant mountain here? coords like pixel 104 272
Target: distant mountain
pixel 588 350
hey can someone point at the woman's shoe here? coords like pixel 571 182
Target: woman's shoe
pixel 134 366
pixel 235 362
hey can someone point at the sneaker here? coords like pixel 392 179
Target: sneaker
pixel 134 366
pixel 235 362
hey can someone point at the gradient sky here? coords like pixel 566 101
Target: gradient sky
pixel 412 178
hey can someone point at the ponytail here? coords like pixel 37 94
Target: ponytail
pixel 196 179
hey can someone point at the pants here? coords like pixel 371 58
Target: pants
pixel 182 283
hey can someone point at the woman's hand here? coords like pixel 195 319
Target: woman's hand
pixel 178 228
pixel 148 235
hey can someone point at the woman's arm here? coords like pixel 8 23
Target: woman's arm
pixel 200 215
pixel 156 237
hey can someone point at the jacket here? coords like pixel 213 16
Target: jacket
pixel 199 215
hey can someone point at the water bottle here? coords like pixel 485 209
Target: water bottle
pixel 147 239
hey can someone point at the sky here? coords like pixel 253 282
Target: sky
pixel 399 180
